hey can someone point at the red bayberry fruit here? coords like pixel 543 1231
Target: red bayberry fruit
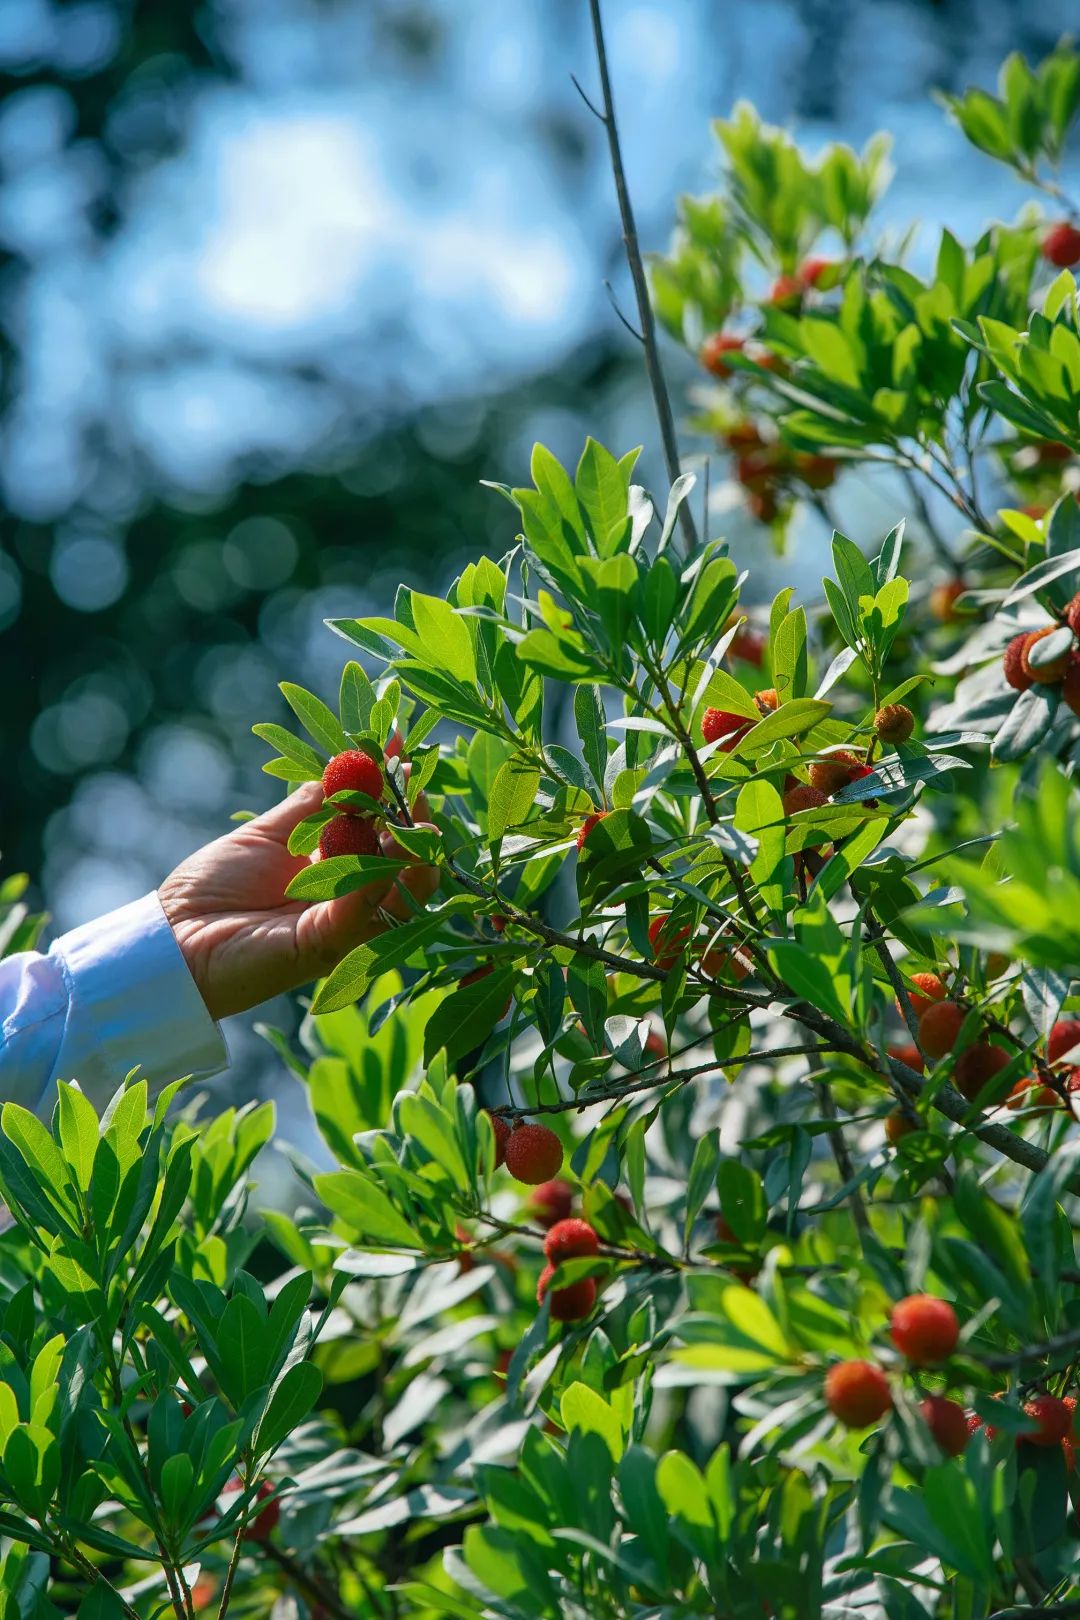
pixel 1043 674
pixel 1053 1420
pixel 803 797
pixel 533 1154
pixel 502 1136
pixel 570 1240
pixel 763 505
pixel 943 600
pixel 348 835
pixel 569 1304
pixel 716 348
pixel 898 1125
pixel 353 772
pixel 857 1393
pixel 939 1027
pixel 748 646
pixel 766 701
pixel 665 946
pixel 947 1422
pixel 1061 245
pixel 1070 687
pixel 203 1593
pixel 1064 1035
pixel 786 292
pixel 1072 615
pixel 817 472
pixel 551 1203
pixel 588 824
pixel 924 1329
pixel 835 771
pixel 1012 663
pixel 928 987
pixel 976 1067
pixel 717 724
pixel 260 1527
pixel 907 1053
pixel 894 722
pixel 743 436
pixel 812 272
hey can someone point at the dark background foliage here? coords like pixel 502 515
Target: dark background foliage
pixel 281 282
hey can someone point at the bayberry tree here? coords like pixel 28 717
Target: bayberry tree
pixel 700 1236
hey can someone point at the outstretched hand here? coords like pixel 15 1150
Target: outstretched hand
pixel 243 941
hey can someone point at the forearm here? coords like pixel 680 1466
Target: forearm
pixel 108 997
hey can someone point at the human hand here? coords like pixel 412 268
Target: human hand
pixel 242 940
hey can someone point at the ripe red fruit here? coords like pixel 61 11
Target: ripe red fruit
pixel 763 505
pixel 1061 245
pixel 1012 663
pixel 260 1527
pixel 835 771
pixel 551 1202
pixel 924 1329
pixel 1053 1419
pixel 354 772
pixel 907 1053
pixel 568 1304
pixel 588 824
pixel 786 291
pixel 715 348
pixel 766 701
pixel 939 1027
pixel 943 599
pixel 1070 687
pixel 755 470
pixel 570 1240
pixel 813 271
pixel 947 1422
pixel 977 1066
pixel 1064 1035
pixel 1043 674
pixel 665 946
pixel 749 646
pixel 817 472
pixel 717 723
pixel 203 1594
pixel 533 1154
pixel 743 436
pixel 857 1393
pixel 898 1125
pixel 1072 615
pixel 348 835
pixel 502 1136
pixel 803 797
pixel 720 964
pixel 894 722
pixel 928 987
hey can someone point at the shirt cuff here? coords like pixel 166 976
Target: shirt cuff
pixel 133 995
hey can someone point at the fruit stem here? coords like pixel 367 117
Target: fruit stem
pixel 632 245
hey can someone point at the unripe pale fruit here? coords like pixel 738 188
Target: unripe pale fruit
pixel 717 723
pixel 940 1026
pixel 837 771
pixel 908 1054
pixel 353 772
pixel 1064 1035
pixel 924 989
pixel 943 600
pixel 977 1066
pixel 348 835
pixel 803 797
pixel 1053 1419
pixel 766 701
pixel 588 824
pixel 898 1125
pixel 502 1136
pixel 716 350
pixel 894 722
pixel 947 1422
pixel 666 945
pixel 570 1240
pixel 533 1154
pixel 857 1393
pixel 551 1202
pixel 1061 245
pixel 924 1329
pixel 1070 687
pixel 260 1527
pixel 1012 663
pixel 569 1304
pixel 1043 674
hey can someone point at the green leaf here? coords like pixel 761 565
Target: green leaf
pixel 513 795
pixel 295 751
pixel 602 489
pixel 444 637
pixel 590 720
pixel 318 721
pixel 296 1393
pixel 582 1409
pixel 466 1018
pixel 365 1209
pixel 78 1133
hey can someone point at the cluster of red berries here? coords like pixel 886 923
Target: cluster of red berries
pixel 350 832
pixel 940 1021
pixel 570 1239
pixel 716 960
pixel 1031 1092
pixel 1061 244
pixel 532 1153
pixel 1023 671
pixel 767 469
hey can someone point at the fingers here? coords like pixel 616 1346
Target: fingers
pixel 279 821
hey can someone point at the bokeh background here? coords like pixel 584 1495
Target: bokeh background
pixel 282 280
